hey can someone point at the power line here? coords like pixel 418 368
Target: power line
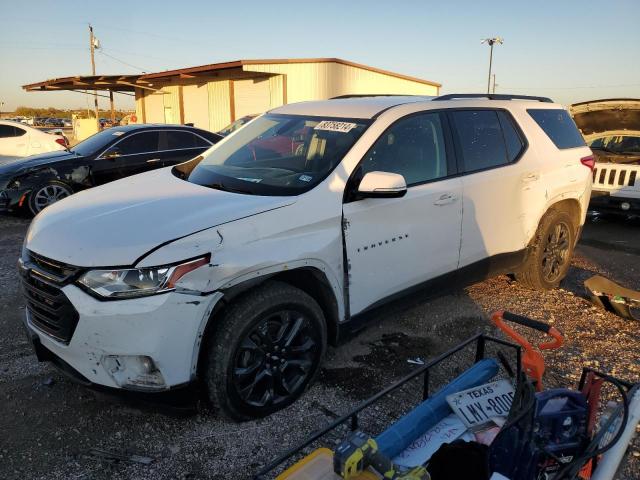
pixel 143 70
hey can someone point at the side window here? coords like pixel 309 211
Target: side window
pixel 558 126
pixel 481 140
pixel 138 143
pixel 7 131
pixel 177 139
pixel 512 138
pixel 414 147
pixel 19 131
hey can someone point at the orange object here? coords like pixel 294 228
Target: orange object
pixel 532 361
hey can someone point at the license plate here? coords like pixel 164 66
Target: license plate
pixel 478 405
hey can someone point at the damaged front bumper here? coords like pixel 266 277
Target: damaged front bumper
pixel 146 344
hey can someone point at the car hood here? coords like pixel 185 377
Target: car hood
pixel 600 117
pixel 120 222
pixel 15 165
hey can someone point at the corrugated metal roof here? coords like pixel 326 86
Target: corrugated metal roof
pixel 130 82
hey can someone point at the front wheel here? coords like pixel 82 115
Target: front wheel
pixel 47 194
pixel 264 351
pixel 549 255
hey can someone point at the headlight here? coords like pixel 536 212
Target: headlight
pixel 137 282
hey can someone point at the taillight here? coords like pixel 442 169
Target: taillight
pixel 589 162
pixel 62 141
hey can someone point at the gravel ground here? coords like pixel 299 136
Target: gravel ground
pixel 50 425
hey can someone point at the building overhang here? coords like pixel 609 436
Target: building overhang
pixel 155 81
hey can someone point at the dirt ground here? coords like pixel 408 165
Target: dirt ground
pixel 50 428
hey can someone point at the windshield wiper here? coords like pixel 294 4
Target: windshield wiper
pixel 220 186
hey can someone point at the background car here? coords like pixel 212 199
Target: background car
pixel 19 140
pixel 232 127
pixel 612 129
pixel 109 155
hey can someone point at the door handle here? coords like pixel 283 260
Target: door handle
pixel 445 199
pixel 530 177
pixel 153 160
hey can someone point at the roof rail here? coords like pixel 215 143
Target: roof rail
pixel 492 96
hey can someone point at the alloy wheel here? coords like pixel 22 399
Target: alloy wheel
pixel 275 360
pixel 49 195
pixel 556 251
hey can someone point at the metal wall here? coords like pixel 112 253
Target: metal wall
pixel 318 81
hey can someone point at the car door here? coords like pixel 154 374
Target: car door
pixel 393 244
pixel 497 184
pixel 13 141
pixel 181 145
pixel 136 153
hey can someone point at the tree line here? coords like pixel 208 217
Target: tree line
pixel 50 112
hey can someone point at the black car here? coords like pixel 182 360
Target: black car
pixel 38 181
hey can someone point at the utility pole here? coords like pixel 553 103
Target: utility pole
pixel 491 42
pixel 493 90
pixel 92 44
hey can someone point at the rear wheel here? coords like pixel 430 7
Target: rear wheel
pixel 47 194
pixel 264 351
pixel 549 256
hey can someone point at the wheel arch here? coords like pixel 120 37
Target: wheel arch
pixel 573 208
pixel 311 280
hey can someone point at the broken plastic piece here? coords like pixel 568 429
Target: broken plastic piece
pixel 612 297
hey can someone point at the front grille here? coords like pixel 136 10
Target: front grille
pixel 49 308
pixel 614 176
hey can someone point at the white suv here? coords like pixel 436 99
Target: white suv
pixel 237 267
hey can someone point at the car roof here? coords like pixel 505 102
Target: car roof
pixel 368 107
pixel 350 107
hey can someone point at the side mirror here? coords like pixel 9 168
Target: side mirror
pixel 112 154
pixel 382 185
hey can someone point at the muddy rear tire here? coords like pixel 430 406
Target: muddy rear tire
pixel 548 257
pixel 264 351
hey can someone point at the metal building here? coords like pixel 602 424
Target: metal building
pixel 212 96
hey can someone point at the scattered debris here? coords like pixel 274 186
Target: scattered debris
pixel 118 457
pixel 612 297
pixel 48 381
pixel 416 361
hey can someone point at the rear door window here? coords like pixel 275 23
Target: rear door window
pixel 558 126
pixel 512 138
pixel 177 140
pixel 481 140
pixel 7 131
pixel 139 143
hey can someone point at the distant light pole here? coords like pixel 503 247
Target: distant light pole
pixel 491 42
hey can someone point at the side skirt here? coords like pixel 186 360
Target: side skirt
pixel 465 276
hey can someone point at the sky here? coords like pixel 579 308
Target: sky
pixel 569 50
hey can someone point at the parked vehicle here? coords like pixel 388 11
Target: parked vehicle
pixel 233 126
pixel 236 267
pixel 41 180
pixel 612 130
pixel 19 140
pixel 53 122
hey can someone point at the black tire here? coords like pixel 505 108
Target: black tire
pixel 549 255
pixel 47 194
pixel 246 375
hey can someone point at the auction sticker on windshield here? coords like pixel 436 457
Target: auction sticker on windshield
pixel 477 406
pixel 333 126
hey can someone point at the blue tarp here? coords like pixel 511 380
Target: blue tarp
pixel 401 434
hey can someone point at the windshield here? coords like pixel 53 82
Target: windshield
pixel 617 144
pixel 235 125
pixel 96 142
pixel 277 155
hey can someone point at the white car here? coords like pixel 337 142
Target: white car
pixel 237 267
pixel 19 140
